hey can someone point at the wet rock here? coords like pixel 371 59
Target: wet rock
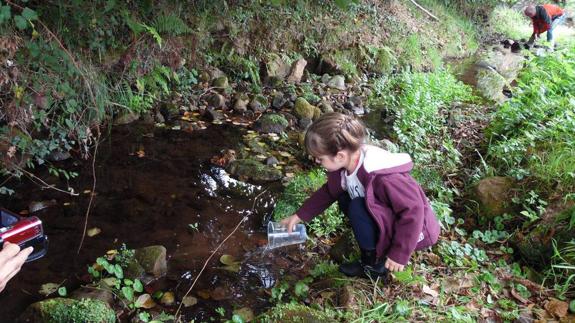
pixel 325 106
pixel 36 206
pixel 153 260
pixel 272 161
pixel 259 103
pixel 148 118
pixel 57 155
pixel 126 118
pixel 68 310
pixel 214 115
pixel 134 270
pixel 241 103
pixel 253 170
pixel 216 101
pixel 278 101
pixel 343 248
pixel 515 47
pixel 493 195
pixel 214 73
pixel 271 122
pixel 304 123
pixel 95 293
pixel 507 43
pixel 325 78
pixel 496 70
pixel 159 118
pixel 304 109
pixel 337 82
pixel 276 67
pixel 221 82
pixel 296 71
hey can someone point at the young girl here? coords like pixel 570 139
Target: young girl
pixel 388 211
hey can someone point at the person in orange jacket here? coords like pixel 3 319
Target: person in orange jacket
pixel 545 18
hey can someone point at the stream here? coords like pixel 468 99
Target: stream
pixel 152 183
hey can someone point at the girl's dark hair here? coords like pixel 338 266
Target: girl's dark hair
pixel 333 132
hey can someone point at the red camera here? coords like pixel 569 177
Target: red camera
pixel 23 231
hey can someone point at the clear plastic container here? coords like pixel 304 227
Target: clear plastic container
pixel 279 237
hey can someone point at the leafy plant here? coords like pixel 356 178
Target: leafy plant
pixel 297 191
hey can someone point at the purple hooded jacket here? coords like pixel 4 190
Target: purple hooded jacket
pixel 394 199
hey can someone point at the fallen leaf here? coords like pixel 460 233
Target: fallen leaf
pixel 141 153
pixel 145 301
pixel 285 154
pixel 189 301
pixel 48 288
pixel 167 299
pixel 87 191
pixel 227 260
pixel 220 293
pixel 205 294
pixel 556 308
pixel 245 313
pixel 93 232
pixel 427 290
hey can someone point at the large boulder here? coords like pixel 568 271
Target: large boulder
pixel 271 122
pixel 337 82
pixel 495 70
pixel 68 310
pixel 494 196
pixel 253 170
pixel 153 260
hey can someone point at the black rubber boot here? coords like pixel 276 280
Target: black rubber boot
pixel 368 266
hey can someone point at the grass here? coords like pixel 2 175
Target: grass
pixel 532 134
pixel 510 23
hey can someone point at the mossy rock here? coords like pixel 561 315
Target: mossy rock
pixel 316 113
pixel 153 260
pixel 295 313
pixel 304 109
pixel 271 122
pixel 536 246
pixel 58 310
pixel 493 195
pixel 490 84
pixel 385 61
pixel 254 170
pixel 221 82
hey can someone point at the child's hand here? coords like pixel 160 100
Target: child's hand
pixel 290 222
pixel 393 266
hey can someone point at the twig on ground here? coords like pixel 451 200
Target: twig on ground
pixel 424 10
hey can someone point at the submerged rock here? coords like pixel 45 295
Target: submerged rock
pixel 254 170
pixel 153 260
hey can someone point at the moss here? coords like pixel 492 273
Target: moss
pixel 296 313
pixel 58 310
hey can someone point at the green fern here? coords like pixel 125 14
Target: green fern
pixel 170 25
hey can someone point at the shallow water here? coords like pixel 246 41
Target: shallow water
pixel 152 183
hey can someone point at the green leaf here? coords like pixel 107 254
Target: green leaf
pixel 237 319
pixel 128 293
pixel 144 316
pixel 5 13
pixel 62 291
pixel 21 22
pixel 301 289
pixel 138 286
pixel 118 271
pixel 29 14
